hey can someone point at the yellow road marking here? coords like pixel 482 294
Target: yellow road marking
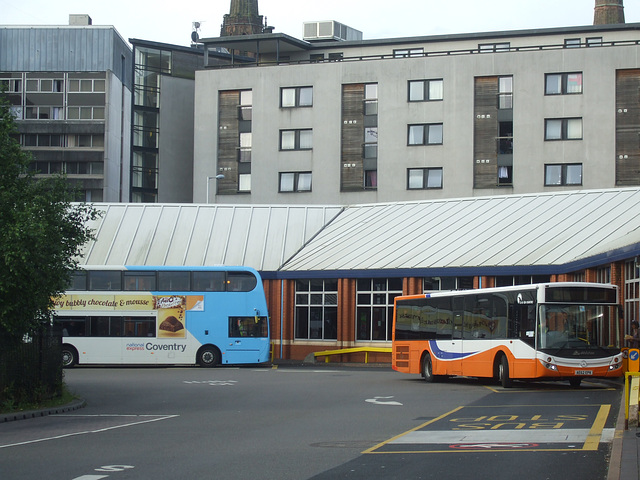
pixel 375 447
pixel 593 437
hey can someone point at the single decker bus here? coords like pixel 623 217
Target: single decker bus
pixel 164 315
pixel 559 331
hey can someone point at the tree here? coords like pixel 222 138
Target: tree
pixel 41 234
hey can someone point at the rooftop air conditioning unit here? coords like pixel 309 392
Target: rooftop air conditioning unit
pixel 329 31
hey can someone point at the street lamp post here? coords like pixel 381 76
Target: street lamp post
pixel 217 177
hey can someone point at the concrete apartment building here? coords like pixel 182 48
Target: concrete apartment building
pixel 334 118
pixel 70 90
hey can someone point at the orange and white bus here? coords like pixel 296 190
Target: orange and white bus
pixel 560 331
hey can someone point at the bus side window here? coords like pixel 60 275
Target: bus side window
pixel 208 281
pixel 458 315
pixel 241 281
pixel 248 327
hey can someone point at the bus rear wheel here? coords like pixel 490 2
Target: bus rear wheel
pixel 69 356
pixel 208 356
pixel 427 369
pixel 503 372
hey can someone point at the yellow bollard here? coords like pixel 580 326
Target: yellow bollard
pixel 634 360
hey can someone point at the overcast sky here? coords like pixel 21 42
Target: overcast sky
pixel 171 22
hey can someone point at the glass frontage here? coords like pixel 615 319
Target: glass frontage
pixel 374 310
pixel 150 65
pixel 316 309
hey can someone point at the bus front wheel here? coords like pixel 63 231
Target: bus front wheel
pixel 69 356
pixel 503 372
pixel 208 356
pixel 427 369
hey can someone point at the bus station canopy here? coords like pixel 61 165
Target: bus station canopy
pixel 541 233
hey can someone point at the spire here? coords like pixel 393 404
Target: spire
pixel 608 12
pixel 242 19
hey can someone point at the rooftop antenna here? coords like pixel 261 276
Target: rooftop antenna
pixel 195 33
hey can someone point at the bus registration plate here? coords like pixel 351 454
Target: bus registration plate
pixel 584 372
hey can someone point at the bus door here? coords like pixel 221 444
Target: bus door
pixel 248 340
pixel 456 347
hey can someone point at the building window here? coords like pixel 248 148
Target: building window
pixel 560 174
pixel 244 182
pixel 316 310
pixel 572 43
pixel 508 281
pixel 505 93
pixel 45 85
pixel 494 47
pixel 245 109
pixel 431 284
pixel 296 139
pixel 11 85
pixel 563 129
pixel 374 310
pixel 603 275
pixel 295 182
pixel 425 90
pixel 425 134
pixel 371 179
pixel 411 52
pixel 85 113
pixel 594 42
pixel 45 113
pixel 563 83
pixel 424 178
pixel 296 97
pixel 244 151
pixel 86 85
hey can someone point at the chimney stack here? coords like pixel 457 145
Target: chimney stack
pixel 608 12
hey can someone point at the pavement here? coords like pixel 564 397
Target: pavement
pixel 624 463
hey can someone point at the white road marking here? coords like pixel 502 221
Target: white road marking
pixel 377 401
pixel 560 435
pixel 150 420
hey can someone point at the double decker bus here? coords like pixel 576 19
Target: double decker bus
pixel 164 315
pixel 559 331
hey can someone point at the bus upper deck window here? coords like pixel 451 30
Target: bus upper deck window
pixel 174 281
pixel 208 281
pixel 78 281
pixel 105 280
pixel 140 281
pixel 241 281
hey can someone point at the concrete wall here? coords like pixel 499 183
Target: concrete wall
pixel 596 151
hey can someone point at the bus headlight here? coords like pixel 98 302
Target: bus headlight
pixel 550 366
pixel 615 364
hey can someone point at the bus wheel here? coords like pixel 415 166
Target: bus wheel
pixel 575 382
pixel 427 369
pixel 69 356
pixel 208 356
pixel 503 372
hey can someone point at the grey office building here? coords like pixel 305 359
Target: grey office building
pixel 70 91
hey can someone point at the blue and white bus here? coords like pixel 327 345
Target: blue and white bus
pixel 164 315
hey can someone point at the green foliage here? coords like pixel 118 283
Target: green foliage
pixel 41 233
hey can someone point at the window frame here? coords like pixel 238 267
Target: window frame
pixel 426 174
pixel 297 178
pixel 426 133
pixel 564 83
pixel 297 97
pixel 426 90
pixel 564 167
pixel 564 129
pixel 297 133
pixel 319 296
